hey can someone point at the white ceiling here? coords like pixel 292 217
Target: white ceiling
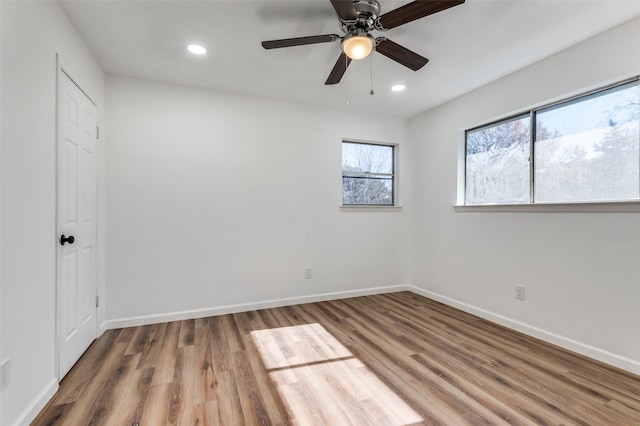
pixel 468 46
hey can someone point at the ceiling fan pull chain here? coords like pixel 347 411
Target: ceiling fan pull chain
pixel 371 92
pixel 346 60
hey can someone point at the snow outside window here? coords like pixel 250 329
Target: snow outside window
pixel 497 163
pixel 586 149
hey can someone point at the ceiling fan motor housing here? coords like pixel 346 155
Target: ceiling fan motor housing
pixel 367 11
pixel 367 8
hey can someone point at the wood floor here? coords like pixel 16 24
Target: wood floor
pixel 395 359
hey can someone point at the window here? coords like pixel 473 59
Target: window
pixel 498 163
pixel 367 174
pixel 585 149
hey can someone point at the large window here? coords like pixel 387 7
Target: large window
pixel 585 149
pixel 367 174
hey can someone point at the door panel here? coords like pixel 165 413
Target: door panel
pixel 71 182
pixel 77 125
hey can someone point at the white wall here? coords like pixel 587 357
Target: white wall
pixel 1 353
pixel 581 270
pixel 217 200
pixel 32 34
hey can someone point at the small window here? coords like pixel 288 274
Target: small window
pixel 367 174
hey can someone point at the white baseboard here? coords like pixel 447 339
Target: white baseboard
pixel 556 339
pixel 32 411
pixel 244 307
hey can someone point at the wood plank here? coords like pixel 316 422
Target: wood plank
pixel 134 402
pixel 220 353
pixel 126 334
pixel 251 399
pixel 156 409
pixel 114 391
pixel 276 410
pixel 181 401
pixel 153 346
pixel 187 333
pixel 202 322
pixel 206 413
pixel 229 407
pixel 166 358
pixel 139 339
pixel 205 383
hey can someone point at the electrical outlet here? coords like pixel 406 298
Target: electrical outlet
pixel 308 273
pixel 5 372
pixel 520 292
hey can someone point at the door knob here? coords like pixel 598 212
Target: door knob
pixel 70 239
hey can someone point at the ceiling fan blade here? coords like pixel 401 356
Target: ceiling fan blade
pixel 338 70
pixel 414 10
pixel 345 9
pixel 299 41
pixel 400 54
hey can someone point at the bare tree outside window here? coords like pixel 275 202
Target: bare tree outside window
pixel 367 174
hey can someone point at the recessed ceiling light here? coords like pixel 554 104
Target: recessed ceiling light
pixel 398 87
pixel 196 49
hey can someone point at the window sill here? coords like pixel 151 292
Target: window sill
pixel 601 207
pixel 370 208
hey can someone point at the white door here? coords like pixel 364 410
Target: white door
pixel 77 143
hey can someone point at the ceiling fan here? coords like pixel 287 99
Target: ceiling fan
pixel 357 19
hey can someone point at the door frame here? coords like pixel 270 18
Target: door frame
pixel 61 69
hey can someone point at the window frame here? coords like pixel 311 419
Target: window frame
pixel 629 205
pixel 394 175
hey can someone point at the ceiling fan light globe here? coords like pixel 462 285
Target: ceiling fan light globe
pixel 357 47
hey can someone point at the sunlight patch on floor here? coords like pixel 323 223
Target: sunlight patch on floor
pixel 321 382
